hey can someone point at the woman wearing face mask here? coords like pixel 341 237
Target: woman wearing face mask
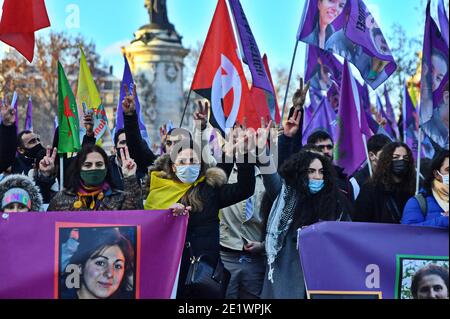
pixel 430 206
pixel 383 198
pixel 180 181
pixel 306 195
pixel 18 193
pixel 91 186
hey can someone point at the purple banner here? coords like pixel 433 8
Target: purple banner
pixel 370 261
pixel 347 28
pixel 322 68
pixel 79 255
pixel 443 21
pixel 434 92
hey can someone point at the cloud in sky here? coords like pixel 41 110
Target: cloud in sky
pixel 115 48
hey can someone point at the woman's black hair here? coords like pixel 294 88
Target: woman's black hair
pixel 311 208
pixel 430 269
pixel 93 242
pixel 383 175
pixel 74 170
pixel 436 164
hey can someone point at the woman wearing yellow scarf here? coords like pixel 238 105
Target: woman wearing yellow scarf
pixel 430 206
pixel 182 183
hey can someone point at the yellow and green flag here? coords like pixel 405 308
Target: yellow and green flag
pixel 69 125
pixel 88 98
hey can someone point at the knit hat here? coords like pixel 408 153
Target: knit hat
pixel 16 195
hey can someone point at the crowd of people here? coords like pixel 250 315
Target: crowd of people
pixel 239 216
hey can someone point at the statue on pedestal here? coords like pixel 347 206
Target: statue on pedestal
pixel 157 11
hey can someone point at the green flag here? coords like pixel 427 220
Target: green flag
pixel 69 125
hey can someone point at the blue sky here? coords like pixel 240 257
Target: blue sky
pixel 111 23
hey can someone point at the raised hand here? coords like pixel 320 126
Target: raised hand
pixel 263 133
pixel 47 164
pixel 292 125
pixel 129 166
pixel 129 104
pixel 163 134
pixel 88 120
pixel 8 114
pixel 300 95
pixel 201 114
pixel 180 210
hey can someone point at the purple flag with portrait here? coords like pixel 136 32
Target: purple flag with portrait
pixel 324 119
pixel 333 96
pixel 349 152
pixel 347 28
pixel 373 261
pixel 443 21
pixel 434 92
pixel 322 68
pixel 95 255
pixel 381 112
pixel 129 82
pixel 29 116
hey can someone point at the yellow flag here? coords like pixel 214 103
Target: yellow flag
pixel 88 98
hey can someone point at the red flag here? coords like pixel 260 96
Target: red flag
pixel 220 76
pixel 20 19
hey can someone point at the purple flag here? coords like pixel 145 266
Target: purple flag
pixel 251 54
pixel 315 98
pixel 324 119
pixel 443 20
pixel 434 92
pixel 347 28
pixel 333 96
pixel 349 151
pixel 15 105
pixel 368 260
pixel 382 113
pixel 29 117
pixel 44 251
pixel 391 114
pixel 322 68
pixel 129 82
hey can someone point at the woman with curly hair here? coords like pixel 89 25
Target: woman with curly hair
pixel 384 197
pixel 306 193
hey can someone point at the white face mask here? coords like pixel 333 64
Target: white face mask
pixel 188 174
pixel 444 178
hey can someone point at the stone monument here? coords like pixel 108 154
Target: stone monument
pixel 156 58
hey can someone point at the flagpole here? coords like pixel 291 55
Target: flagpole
pixel 61 172
pixel 419 153
pixel 288 83
pixel 367 155
pixel 185 107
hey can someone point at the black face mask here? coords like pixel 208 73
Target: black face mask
pixel 400 168
pixel 35 151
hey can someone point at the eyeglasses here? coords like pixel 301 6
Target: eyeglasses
pixel 323 147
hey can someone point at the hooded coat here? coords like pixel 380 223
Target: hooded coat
pixel 25 183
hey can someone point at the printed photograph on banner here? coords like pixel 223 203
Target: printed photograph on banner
pixel 348 28
pixel 96 262
pixel 422 277
pixel 345 295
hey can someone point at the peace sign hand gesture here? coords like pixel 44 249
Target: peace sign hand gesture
pixel 129 166
pixel 300 96
pixel 129 104
pixel 47 164
pixel 8 114
pixel 202 114
pixel 292 126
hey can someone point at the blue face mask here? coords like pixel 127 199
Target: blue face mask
pixel 188 174
pixel 316 185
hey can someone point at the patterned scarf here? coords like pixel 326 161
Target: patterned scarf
pixel 91 197
pixel 280 219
